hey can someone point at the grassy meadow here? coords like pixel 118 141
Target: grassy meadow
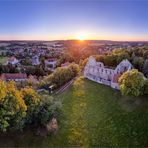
pixel 92 115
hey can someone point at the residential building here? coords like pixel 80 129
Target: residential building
pixel 13 61
pixel 50 63
pixel 13 77
pixel 35 60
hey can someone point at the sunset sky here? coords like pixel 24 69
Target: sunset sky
pixel 55 19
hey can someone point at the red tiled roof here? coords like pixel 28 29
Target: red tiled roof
pixel 116 78
pixel 11 59
pixel 11 76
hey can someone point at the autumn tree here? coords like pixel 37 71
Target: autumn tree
pixel 131 83
pixel 12 106
pixel 32 100
pixel 21 108
pixel 83 63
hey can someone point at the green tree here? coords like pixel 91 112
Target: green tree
pixel 61 75
pixel 146 87
pixel 138 63
pixel 74 68
pixel 49 107
pixel 131 83
pixel 145 68
pixel 110 60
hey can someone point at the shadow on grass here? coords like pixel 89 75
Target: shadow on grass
pixel 129 103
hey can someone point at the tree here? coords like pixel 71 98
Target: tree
pixel 26 61
pixel 30 70
pixel 121 54
pixel 110 60
pixel 49 108
pixel 12 107
pixel 131 83
pixel 82 63
pixel 74 68
pixel 99 58
pixel 145 68
pixel 32 100
pixel 32 82
pixel 39 71
pixel 19 108
pixel 138 62
pixel 146 87
pixel 145 54
pixel 61 76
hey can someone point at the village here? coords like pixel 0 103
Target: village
pixel 23 56
pixel 21 59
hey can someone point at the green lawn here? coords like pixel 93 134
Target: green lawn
pixel 3 59
pixel 93 115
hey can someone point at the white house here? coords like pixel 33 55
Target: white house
pixel 50 63
pixel 96 71
pixel 13 61
pixel 35 60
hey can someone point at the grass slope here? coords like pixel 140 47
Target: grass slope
pixel 93 115
pixel 97 115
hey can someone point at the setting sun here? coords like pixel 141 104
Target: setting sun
pixel 81 36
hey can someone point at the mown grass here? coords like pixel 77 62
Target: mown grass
pixel 103 117
pixel 93 115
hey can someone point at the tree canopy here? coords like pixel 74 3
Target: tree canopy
pixel 19 108
pixel 131 83
pixel 12 106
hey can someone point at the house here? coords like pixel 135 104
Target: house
pixel 13 61
pixel 13 77
pixel 50 63
pixel 96 71
pixel 35 60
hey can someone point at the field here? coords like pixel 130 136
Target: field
pixel 3 59
pixel 92 115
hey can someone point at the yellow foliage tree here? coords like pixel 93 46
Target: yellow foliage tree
pixel 13 108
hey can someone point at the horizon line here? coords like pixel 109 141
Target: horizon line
pixel 75 40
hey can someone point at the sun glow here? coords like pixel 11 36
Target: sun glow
pixel 81 36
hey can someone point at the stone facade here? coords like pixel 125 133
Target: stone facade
pixel 96 71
